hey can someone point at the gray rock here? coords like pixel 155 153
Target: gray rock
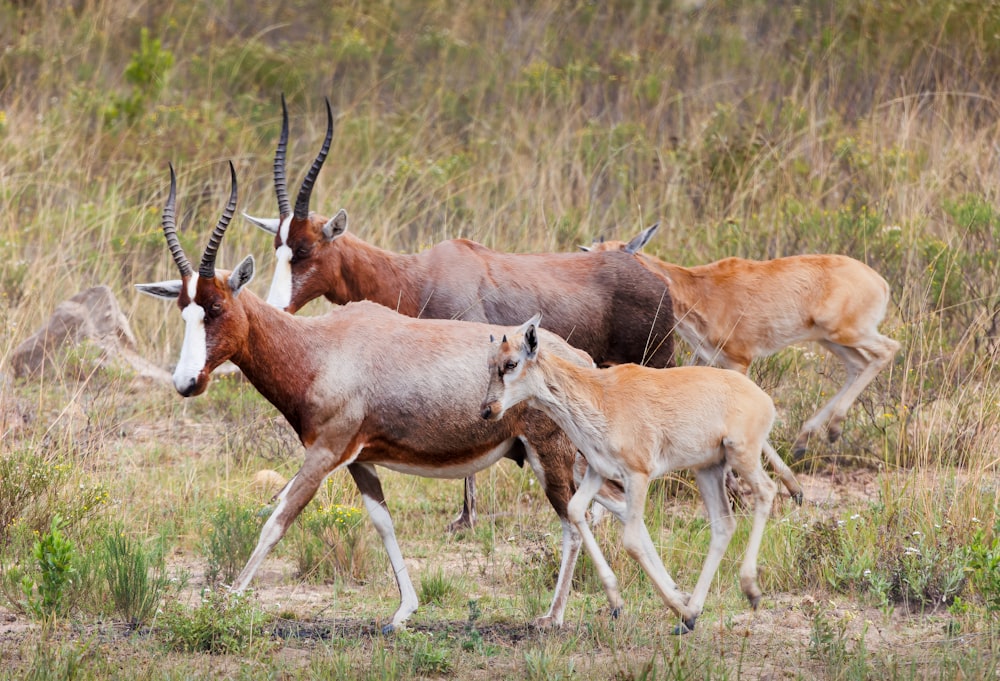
pixel 91 316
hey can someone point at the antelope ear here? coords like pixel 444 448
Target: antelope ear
pixel 242 275
pixel 335 226
pixel 531 342
pixel 637 242
pixel 269 225
pixel 585 249
pixel 167 290
pixel 530 330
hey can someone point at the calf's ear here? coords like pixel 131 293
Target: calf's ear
pixel 530 330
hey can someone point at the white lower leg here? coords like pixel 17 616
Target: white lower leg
pixel 570 551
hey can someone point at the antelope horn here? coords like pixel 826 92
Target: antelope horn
pixel 280 182
pixel 207 268
pixel 170 228
pixel 302 202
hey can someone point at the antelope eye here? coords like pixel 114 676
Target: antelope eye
pixel 509 365
pixel 301 253
pixel 215 309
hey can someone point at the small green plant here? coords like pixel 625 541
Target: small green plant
pixel 828 638
pixel 54 555
pixel 330 543
pixel 136 577
pixel 232 535
pixel 145 73
pixel 984 567
pixel 221 624
pixel 430 654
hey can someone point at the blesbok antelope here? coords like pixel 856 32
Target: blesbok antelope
pixel 734 310
pixel 634 424
pixel 604 305
pixel 364 386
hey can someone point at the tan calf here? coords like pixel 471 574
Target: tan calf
pixel 634 424
pixel 733 311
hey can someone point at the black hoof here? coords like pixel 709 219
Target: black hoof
pixel 798 453
pixel 615 612
pixel 388 629
pixel 685 627
pixel 460 524
pixel 798 498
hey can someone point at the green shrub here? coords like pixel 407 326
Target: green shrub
pixel 25 477
pixel 145 74
pixel 984 567
pixel 431 655
pixel 54 555
pixel 221 624
pixel 330 542
pixel 233 531
pixel 877 552
pixel 136 577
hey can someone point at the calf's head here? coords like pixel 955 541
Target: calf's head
pixel 215 324
pixel 512 379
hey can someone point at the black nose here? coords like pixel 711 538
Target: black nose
pixel 487 412
pixel 187 389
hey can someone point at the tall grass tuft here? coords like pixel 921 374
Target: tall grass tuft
pixel 136 577
pixel 232 533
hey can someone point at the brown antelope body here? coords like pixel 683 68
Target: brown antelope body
pixel 733 311
pixel 600 302
pixel 364 386
pixel 634 424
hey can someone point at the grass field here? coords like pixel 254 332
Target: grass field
pixel 756 129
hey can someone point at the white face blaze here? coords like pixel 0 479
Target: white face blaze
pixel 194 351
pixel 280 294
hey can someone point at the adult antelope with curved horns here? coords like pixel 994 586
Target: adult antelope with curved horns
pixel 356 401
pixel 600 302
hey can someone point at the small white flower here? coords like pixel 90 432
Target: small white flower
pixel 916 533
pixel 855 516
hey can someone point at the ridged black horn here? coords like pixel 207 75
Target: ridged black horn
pixel 170 228
pixel 280 181
pixel 207 268
pixel 302 202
